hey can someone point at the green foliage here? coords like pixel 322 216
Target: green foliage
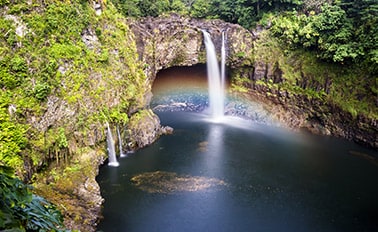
pixel 243 12
pixel 52 59
pixel 4 2
pixel 104 56
pixel 18 7
pixel 201 9
pixel 129 8
pixel 41 91
pixel 179 7
pixel 20 210
pixel 352 87
pixel 7 80
pixel 13 70
pixel 342 33
pixel 154 7
pixel 240 84
pixel 18 64
pixel 12 136
pixel 62 139
pixel 64 51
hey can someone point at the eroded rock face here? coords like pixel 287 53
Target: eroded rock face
pixel 165 42
pixel 143 129
pixel 176 41
pixel 317 116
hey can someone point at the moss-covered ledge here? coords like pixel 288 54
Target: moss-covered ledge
pixel 305 92
pixel 74 190
pixel 72 186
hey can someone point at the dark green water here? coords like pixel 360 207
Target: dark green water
pixel 275 181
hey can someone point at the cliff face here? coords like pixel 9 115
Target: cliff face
pixel 123 94
pixel 307 93
pixel 86 71
pixel 165 42
pixel 262 66
pixel 67 71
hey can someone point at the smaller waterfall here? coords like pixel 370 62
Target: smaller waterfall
pixel 216 85
pixel 111 148
pixel 223 62
pixel 121 154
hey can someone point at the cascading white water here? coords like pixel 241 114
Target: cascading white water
pixel 223 62
pixel 216 84
pixel 121 154
pixel 111 148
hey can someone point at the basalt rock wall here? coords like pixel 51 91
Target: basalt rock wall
pixel 165 42
pixel 315 112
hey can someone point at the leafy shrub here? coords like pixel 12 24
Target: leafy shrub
pixel 12 138
pixel 20 210
pixel 18 64
pixel 336 33
pixel 62 139
pixel 4 2
pixel 41 91
pixel 7 80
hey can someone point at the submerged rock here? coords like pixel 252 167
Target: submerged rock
pixel 170 182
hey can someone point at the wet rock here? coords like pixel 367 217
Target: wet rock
pixel 167 130
pixel 316 115
pixel 164 42
pixel 143 129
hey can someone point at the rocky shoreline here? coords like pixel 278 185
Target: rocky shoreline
pixel 297 112
pixel 176 41
pixel 318 117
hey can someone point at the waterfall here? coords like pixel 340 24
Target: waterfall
pixel 216 85
pixel 111 149
pixel 121 154
pixel 223 65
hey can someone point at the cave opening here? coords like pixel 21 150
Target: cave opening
pixel 180 77
pixel 181 88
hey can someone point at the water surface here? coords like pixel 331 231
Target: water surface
pixel 241 176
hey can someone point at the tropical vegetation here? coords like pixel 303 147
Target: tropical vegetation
pixel 44 61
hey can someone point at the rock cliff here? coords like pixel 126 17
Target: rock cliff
pixel 165 42
pixel 268 72
pixel 93 69
pixel 161 43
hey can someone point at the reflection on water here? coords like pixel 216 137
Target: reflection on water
pixel 246 177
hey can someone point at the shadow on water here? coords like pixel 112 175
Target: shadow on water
pixel 230 174
pixel 240 176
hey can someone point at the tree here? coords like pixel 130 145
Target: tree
pixel 330 33
pixel 128 7
pixel 364 14
pixel 179 7
pixel 201 9
pixel 153 8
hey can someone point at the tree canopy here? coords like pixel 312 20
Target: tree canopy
pixel 340 31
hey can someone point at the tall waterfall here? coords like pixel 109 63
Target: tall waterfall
pixel 111 148
pixel 216 83
pixel 121 154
